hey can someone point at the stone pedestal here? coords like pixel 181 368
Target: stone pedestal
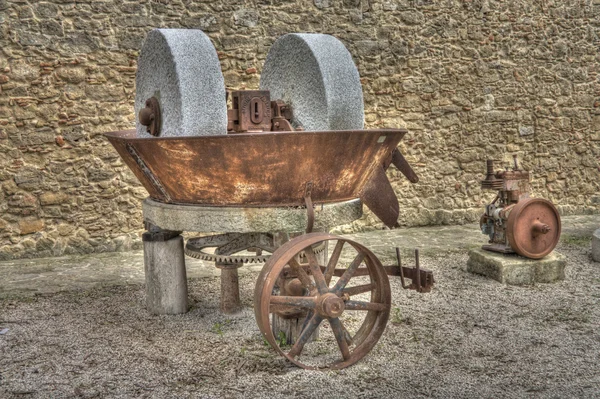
pixel 166 283
pixel 596 246
pixel 230 289
pixel 517 270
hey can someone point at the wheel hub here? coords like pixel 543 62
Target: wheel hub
pixel 330 305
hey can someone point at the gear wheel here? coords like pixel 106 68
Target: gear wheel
pixel 229 244
pixel 200 254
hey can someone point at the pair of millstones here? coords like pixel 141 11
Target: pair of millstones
pixel 179 72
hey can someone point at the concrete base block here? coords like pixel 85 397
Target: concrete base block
pixel 166 282
pixel 516 270
pixel 596 246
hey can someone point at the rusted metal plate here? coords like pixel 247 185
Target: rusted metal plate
pixel 380 197
pixel 257 169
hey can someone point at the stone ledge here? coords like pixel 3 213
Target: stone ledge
pixel 207 219
pixel 517 270
pixel 596 246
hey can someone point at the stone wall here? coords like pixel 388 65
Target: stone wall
pixel 470 79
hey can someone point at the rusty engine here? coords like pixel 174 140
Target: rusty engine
pixel 515 222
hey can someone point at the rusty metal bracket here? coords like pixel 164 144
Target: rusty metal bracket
pixel 380 197
pixel 403 166
pixel 422 279
pixel 281 117
pixel 251 111
pixel 310 210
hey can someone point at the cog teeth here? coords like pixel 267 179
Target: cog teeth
pixel 195 248
pixel 198 254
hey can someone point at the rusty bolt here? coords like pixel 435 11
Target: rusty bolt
pixel 540 228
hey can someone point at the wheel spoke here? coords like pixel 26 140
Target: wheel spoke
pixel 340 336
pixel 347 335
pixel 305 302
pixel 305 335
pixel 335 257
pixel 316 270
pixel 359 289
pixel 341 283
pixel 308 317
pixel 360 305
pixel 302 276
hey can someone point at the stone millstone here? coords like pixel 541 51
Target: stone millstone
pixel 517 270
pixel 181 69
pixel 315 74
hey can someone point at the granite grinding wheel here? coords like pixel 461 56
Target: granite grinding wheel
pixel 315 74
pixel 180 68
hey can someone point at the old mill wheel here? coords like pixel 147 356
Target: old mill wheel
pixel 533 228
pixel 351 307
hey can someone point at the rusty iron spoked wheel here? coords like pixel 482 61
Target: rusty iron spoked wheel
pixel 327 294
pixel 533 227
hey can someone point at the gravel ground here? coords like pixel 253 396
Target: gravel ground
pixel 470 337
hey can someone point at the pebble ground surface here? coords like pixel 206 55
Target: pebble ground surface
pixel 471 337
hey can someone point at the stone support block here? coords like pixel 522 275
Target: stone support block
pixel 596 246
pixel 517 270
pixel 166 283
pixel 246 220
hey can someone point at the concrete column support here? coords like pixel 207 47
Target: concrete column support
pixel 596 246
pixel 230 289
pixel 166 282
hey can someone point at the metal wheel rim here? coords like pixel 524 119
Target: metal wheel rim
pixel 374 323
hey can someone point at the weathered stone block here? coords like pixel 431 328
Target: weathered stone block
pixel 51 198
pixel 27 226
pixel 71 75
pixel 322 3
pixel 166 283
pixel 29 178
pixel 246 17
pixel 596 245
pixel 516 270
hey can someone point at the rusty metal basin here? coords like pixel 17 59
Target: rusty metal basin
pixel 265 169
